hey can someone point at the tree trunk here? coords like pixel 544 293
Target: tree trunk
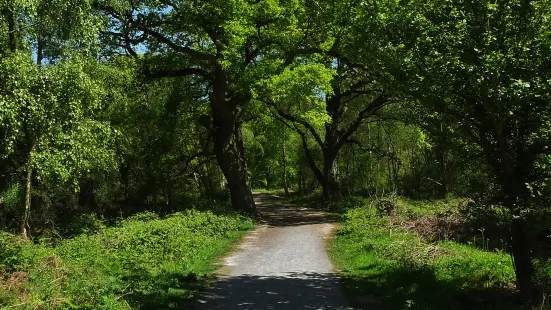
pixel 228 142
pixel 512 178
pixel 232 163
pixel 229 151
pixel 330 184
pixel 513 191
pixel 124 172
pixel 328 177
pixel 512 174
pixel 300 180
pixel 522 261
pixel 12 36
pixel 39 50
pixel 268 175
pixel 443 189
pixel 208 182
pixel 284 159
pixel 24 223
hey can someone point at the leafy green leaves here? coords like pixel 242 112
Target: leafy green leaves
pixel 51 110
pixel 301 91
pixel 142 256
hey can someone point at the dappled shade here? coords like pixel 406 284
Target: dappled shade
pixel 278 215
pixel 291 291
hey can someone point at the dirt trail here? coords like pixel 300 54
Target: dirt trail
pixel 283 264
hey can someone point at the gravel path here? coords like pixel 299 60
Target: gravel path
pixel 283 264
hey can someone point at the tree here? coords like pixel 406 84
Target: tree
pixel 47 124
pixel 355 95
pixel 162 138
pixel 270 150
pixel 484 66
pixel 45 110
pixel 225 45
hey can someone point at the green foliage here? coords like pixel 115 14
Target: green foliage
pixel 414 208
pixel 10 203
pixel 478 68
pixel 301 91
pixel 10 251
pixel 51 110
pixel 397 269
pixel 144 261
pixel 84 224
pixel 103 138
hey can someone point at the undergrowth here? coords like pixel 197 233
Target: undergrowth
pixel 386 265
pixel 143 262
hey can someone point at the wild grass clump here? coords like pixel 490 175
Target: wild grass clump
pixel 142 262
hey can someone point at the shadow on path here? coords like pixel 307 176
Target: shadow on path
pixel 276 214
pixel 283 264
pixel 290 291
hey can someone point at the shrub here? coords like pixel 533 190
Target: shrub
pixel 10 252
pixel 10 205
pixel 144 261
pixel 83 224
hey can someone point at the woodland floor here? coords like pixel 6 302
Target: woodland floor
pixel 283 264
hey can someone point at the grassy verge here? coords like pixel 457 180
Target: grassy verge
pixel 387 266
pixel 145 262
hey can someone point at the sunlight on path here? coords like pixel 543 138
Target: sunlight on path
pixel 283 264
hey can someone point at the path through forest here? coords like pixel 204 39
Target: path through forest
pixel 283 264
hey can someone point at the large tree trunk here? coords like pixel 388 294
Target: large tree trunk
pixel 230 156
pixel 328 177
pixel 512 174
pixel 522 246
pixel 228 145
pixel 522 261
pixel 236 176
pixel 330 183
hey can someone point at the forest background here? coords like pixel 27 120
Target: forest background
pixel 112 108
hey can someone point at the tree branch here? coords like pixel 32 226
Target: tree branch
pixel 177 73
pixel 177 48
pixel 379 152
pixel 296 120
pixel 375 105
pixel 317 172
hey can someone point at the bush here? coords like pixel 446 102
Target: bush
pixel 144 262
pixel 83 224
pixel 10 252
pixel 10 205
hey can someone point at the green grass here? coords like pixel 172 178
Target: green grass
pixel 145 262
pixel 269 191
pixel 384 266
pixel 429 207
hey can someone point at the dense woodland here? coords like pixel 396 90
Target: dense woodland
pixel 109 108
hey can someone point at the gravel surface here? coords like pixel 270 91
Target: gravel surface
pixel 283 264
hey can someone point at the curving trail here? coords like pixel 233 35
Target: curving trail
pixel 283 264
